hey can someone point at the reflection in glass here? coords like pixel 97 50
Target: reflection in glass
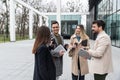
pixel 108 10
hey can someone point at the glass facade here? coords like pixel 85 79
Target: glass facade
pixel 68 27
pixel 68 23
pixel 109 11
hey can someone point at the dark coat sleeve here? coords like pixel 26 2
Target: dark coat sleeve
pixel 42 63
pixel 54 54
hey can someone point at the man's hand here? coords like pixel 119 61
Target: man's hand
pixel 61 53
pixel 51 42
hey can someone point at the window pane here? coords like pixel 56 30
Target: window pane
pixel 114 5
pixel 118 30
pixel 118 4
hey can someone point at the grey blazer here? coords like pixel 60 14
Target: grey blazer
pixel 58 60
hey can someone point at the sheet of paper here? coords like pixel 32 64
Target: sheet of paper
pixel 58 48
pixel 84 53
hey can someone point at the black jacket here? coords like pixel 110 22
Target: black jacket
pixel 44 66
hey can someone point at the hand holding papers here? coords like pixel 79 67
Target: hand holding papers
pixel 59 48
pixel 84 53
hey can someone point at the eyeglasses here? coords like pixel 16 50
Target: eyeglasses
pixel 55 27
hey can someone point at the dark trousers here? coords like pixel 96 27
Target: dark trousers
pixel 74 77
pixel 100 76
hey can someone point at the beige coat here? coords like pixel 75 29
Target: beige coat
pixel 101 61
pixel 83 61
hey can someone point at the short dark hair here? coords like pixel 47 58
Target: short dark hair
pixel 99 23
pixel 54 22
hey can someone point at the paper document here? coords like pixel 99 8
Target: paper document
pixel 58 48
pixel 84 53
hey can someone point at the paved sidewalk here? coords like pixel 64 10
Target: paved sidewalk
pixel 17 62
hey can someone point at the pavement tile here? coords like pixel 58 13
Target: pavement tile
pixel 17 62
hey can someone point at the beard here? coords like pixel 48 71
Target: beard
pixel 95 32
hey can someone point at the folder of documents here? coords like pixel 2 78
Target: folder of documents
pixel 84 53
pixel 58 48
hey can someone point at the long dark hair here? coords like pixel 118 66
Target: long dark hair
pixel 42 37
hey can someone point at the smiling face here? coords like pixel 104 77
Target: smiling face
pixel 55 28
pixel 95 28
pixel 98 26
pixel 77 30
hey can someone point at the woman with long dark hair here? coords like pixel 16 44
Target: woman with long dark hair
pixel 44 68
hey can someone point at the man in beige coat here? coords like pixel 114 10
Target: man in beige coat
pixel 101 61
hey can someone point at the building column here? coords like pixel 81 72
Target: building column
pixel 40 17
pixel 30 24
pixel 59 14
pixel 83 20
pixel 46 22
pixel 12 21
